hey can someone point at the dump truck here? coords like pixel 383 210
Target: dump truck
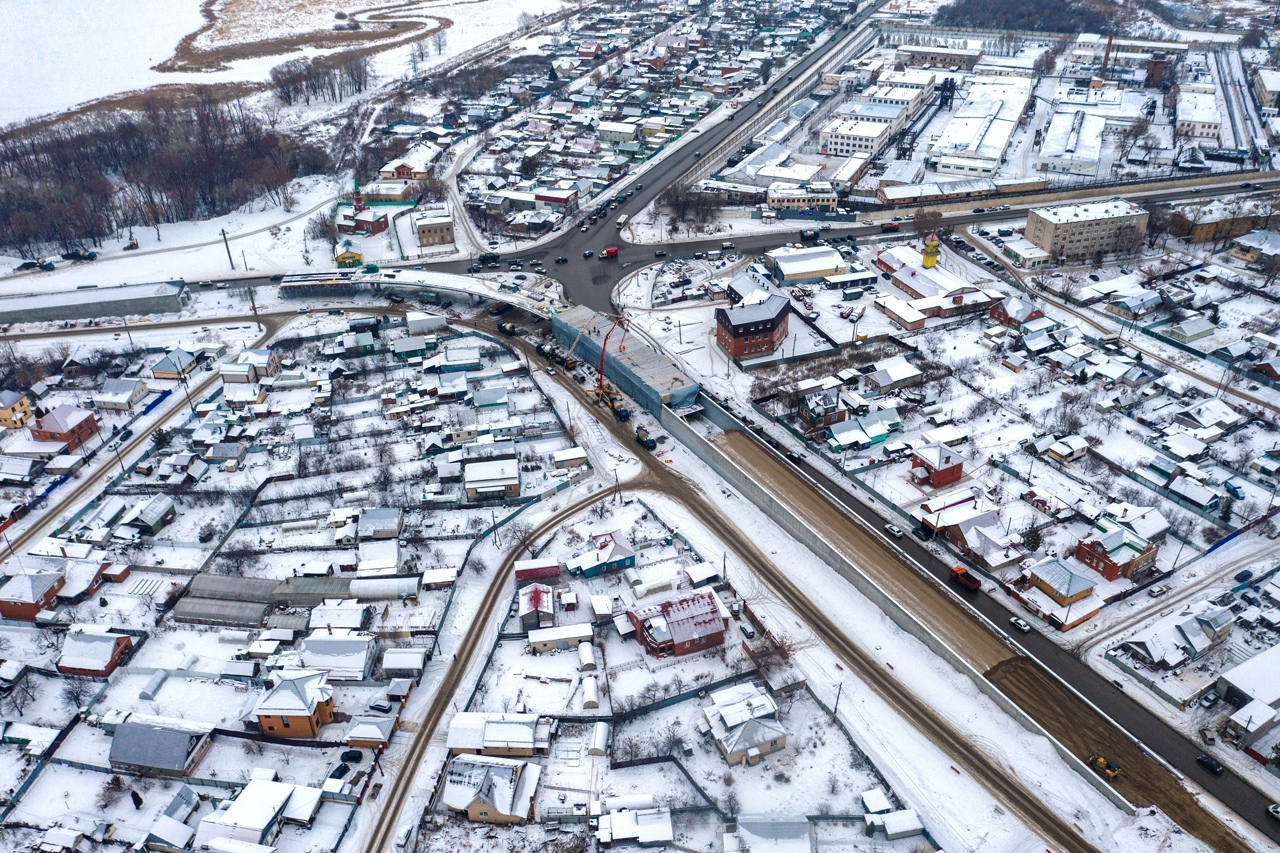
pixel 965 578
pixel 1099 762
pixel 510 329
pixel 644 440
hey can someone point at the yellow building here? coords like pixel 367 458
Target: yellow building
pixel 15 409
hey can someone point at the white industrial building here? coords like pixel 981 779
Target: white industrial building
pixel 1072 144
pixel 845 137
pixel 975 140
pixel 1198 116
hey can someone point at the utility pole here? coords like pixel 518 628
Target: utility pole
pixel 243 263
pixel 227 246
pixel 839 690
pixel 127 333
pixel 253 304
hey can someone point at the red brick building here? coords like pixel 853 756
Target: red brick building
pixel 68 425
pixel 753 327
pixel 1014 312
pixel 682 626
pixel 23 596
pixel 1115 552
pixel 95 654
pixel 936 465
pixel 1269 369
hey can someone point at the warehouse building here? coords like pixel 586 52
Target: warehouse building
pixel 975 140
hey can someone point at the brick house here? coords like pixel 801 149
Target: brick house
pixel 821 409
pixel 93 653
pixel 755 326
pixel 299 704
pixel 1114 551
pixel 23 596
pixel 1014 312
pixel 681 626
pixel 69 425
pixel 937 465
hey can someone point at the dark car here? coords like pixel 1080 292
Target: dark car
pixel 474 268
pixel 639 186
pixel 979 210
pixel 339 771
pixel 588 253
pixel 1245 576
pixel 562 260
pixel 660 254
pixel 1213 765
pixel 794 457
pixel 126 434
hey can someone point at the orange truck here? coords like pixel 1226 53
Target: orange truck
pixel 966 579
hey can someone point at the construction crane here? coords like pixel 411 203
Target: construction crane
pixel 604 393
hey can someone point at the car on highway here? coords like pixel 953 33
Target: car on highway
pixel 697 154
pixel 1158 590
pixel 639 186
pixel 588 253
pixel 540 270
pixel 1213 765
pixel 979 210
pixel 1006 207
pixel 630 193
pixel 551 369
pixel 1020 624
pixel 660 254
pixel 305 309
pixel 795 458
pixel 585 228
pixel 222 285
pixel 1197 189
pixel 613 206
pixel 474 268
pixel 893 530
pixel 562 260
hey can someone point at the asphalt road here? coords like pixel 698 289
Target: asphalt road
pixel 1111 700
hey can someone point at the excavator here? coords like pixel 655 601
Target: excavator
pixel 1100 763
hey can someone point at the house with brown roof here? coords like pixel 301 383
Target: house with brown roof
pixel 680 626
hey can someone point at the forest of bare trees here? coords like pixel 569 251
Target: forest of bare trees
pixel 321 79
pixel 1097 16
pixel 72 186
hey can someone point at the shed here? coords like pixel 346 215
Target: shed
pixel 590 693
pixel 404 662
pixel 586 658
pixel 875 801
pixel 600 735
pixel 560 637
pixel 392 588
